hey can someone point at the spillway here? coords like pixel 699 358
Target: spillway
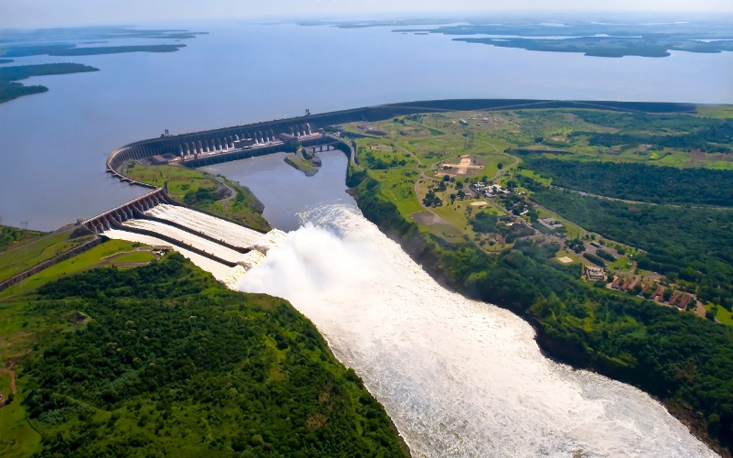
pixel 220 271
pixel 217 228
pixel 458 377
pixel 232 234
pixel 186 238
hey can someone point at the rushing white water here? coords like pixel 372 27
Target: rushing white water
pixel 220 229
pixel 209 225
pixel 186 238
pixel 458 377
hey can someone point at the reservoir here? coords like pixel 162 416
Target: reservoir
pixel 458 377
pixel 53 145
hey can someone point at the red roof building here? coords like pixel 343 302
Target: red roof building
pixel 675 296
pixel 684 301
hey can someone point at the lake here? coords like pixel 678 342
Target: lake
pixel 53 145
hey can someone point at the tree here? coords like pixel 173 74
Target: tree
pixel 452 198
pixel 499 166
pixel 461 194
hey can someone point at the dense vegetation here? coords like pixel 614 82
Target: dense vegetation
pixel 666 131
pixel 11 235
pixel 640 182
pixel 693 244
pixel 162 360
pixel 686 361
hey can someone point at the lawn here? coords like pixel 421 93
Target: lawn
pixel 204 191
pixel 722 315
pixel 88 259
pixel 29 254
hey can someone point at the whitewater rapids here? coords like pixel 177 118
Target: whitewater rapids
pixel 457 377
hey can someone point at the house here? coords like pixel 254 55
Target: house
pixel 657 293
pixel 683 302
pixel 616 282
pixel 627 283
pixel 675 297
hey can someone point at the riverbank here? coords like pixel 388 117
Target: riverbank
pixel 553 301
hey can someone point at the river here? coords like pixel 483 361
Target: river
pixel 457 377
pixel 53 145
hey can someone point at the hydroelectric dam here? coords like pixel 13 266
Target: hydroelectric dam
pixel 228 249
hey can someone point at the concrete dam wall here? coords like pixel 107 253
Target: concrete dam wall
pixel 222 247
pixel 238 142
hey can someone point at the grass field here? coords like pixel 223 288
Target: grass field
pixel 715 111
pixel 13 237
pixel 722 315
pixel 88 259
pixel 203 191
pixel 29 254
pixel 181 180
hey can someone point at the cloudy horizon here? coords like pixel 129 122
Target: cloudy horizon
pixel 55 13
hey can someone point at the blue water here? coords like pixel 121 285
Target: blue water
pixel 53 145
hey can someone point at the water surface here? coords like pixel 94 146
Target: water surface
pixel 53 145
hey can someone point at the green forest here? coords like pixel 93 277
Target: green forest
pixel 693 244
pixel 162 360
pixel 632 181
pixel 686 361
pixel 685 133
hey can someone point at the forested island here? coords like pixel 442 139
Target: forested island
pixel 19 43
pixel 633 284
pixel 644 37
pixel 10 89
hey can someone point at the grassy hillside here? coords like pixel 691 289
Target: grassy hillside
pixel 10 237
pixel 162 360
pixel 22 256
pixel 204 191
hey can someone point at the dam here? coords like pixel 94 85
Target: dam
pixel 224 248
pixel 457 377
pixel 249 140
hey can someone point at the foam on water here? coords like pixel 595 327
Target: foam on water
pixel 458 377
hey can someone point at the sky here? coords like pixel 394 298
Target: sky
pixel 51 13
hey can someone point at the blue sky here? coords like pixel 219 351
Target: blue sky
pixel 48 13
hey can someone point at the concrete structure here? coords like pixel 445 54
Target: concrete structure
pixel 238 142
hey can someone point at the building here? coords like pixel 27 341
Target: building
pixel 627 283
pixel 551 223
pixel 595 273
pixel 683 302
pixel 657 293
pixel 675 297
